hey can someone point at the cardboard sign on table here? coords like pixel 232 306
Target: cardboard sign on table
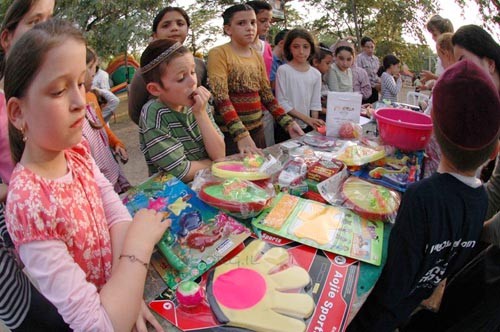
pixel 342 107
pixel 333 287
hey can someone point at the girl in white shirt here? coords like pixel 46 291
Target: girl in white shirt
pixel 298 84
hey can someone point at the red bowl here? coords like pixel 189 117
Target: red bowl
pixel 404 129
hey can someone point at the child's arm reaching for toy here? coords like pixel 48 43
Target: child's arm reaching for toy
pixel 246 145
pixel 63 282
pixel 310 120
pixel 213 139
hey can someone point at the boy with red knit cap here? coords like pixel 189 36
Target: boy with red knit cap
pixel 440 218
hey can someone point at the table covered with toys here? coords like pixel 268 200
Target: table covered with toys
pixel 292 240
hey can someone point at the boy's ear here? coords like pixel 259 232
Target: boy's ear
pixel 154 88
pixel 495 152
pixel 227 30
pixel 491 65
pixel 15 112
pixel 5 39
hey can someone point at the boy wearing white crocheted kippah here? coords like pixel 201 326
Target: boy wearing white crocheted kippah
pixel 177 134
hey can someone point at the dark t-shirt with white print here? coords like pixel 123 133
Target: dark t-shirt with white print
pixel 438 225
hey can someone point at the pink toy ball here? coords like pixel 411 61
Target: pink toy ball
pixel 404 129
pixel 189 294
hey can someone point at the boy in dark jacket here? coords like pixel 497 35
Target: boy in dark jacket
pixel 440 218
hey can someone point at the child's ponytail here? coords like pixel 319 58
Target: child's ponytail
pixel 380 71
pixel 388 61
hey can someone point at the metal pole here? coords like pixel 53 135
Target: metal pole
pixel 126 47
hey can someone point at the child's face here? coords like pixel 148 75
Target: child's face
pixel 344 60
pixel 395 69
pixel 89 76
pixel 242 28
pixel 300 50
pixel 435 34
pixel 463 54
pixel 264 18
pixel 179 82
pixel 369 48
pixel 447 59
pixel 173 26
pixel 324 65
pixel 53 109
pixel 40 11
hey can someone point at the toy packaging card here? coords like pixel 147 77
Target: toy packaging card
pixel 396 171
pixel 326 227
pixel 200 235
pixel 332 288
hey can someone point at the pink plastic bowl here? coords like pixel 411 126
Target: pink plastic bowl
pixel 404 129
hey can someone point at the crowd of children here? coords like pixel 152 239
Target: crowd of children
pixel 61 216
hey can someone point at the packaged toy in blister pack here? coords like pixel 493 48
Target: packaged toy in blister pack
pixel 264 287
pixel 250 167
pixel 326 227
pixel 321 142
pixel 355 154
pixel 308 154
pixel 350 130
pixel 395 171
pixel 199 236
pixel 293 173
pixel 238 198
pixel 369 200
pixel 324 169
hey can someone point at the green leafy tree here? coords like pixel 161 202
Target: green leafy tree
pixel 112 27
pixel 489 11
pixel 387 19
pixel 205 28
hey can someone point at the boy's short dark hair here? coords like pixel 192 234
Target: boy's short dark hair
pixel 152 52
pixel 441 24
pixel 321 52
pixel 365 40
pixel 280 36
pixel 466 115
pixel 259 6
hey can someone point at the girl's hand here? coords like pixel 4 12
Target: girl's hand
pixel 200 99
pixel 427 75
pixel 294 130
pixel 148 226
pixel 246 145
pixel 146 316
pixel 122 153
pixel 315 123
